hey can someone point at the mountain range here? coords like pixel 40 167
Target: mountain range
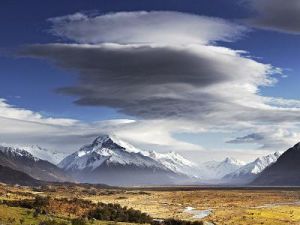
pixel 214 170
pixel 284 172
pixel 21 160
pixel 113 161
pixel 250 171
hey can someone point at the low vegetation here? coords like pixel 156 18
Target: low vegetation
pixel 37 202
pixel 171 221
pixel 115 212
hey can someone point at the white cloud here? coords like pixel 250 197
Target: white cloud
pixel 12 112
pixel 22 126
pixel 171 75
pixel 145 27
pixel 270 137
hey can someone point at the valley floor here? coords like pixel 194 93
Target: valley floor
pixel 227 206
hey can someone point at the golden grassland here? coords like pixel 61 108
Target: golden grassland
pixel 229 206
pixel 21 216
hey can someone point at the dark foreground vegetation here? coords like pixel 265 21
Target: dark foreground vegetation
pixel 176 222
pixel 115 212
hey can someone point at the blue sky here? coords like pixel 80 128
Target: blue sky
pixel 31 83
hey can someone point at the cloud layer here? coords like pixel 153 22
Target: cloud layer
pixel 144 27
pixel 154 81
pixel 280 15
pixel 168 70
pixel 22 126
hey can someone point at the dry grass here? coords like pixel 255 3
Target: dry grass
pixel 231 206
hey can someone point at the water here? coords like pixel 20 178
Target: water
pixel 198 214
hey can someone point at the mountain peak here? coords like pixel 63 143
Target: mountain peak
pixel 231 160
pixel 108 141
pixel 102 138
pixel 109 150
pixel 111 141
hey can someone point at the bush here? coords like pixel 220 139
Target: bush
pixel 115 212
pixel 78 221
pixel 38 202
pixel 52 222
pixel 177 222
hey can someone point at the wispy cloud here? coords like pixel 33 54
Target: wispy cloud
pixel 22 126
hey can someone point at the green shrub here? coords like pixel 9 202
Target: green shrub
pixel 177 222
pixel 38 202
pixel 78 221
pixel 115 212
pixel 41 201
pixel 52 222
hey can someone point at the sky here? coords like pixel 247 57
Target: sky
pixel 209 79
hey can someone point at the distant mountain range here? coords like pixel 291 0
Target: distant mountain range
pixel 214 170
pixel 22 160
pixel 250 171
pixel 42 153
pixel 110 160
pixel 284 172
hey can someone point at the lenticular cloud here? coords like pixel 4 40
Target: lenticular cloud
pixel 144 28
pixel 165 66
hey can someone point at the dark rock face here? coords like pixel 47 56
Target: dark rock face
pixel 10 176
pixel 285 172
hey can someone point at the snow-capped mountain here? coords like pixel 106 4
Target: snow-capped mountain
pixel 21 160
pixel 42 153
pixel 38 152
pixel 214 170
pixel 249 172
pixel 15 152
pixel 284 172
pixel 109 150
pixel 175 162
pixel 113 161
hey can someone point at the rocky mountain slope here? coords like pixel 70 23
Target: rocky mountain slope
pixel 13 177
pixel 250 171
pixel 22 160
pixel 284 172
